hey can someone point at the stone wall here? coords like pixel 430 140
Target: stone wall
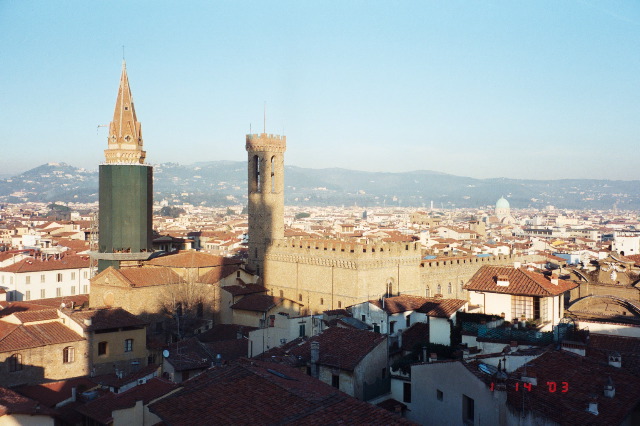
pixel 45 363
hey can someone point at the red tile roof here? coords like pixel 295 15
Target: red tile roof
pixel 343 348
pixel 102 409
pixel 103 319
pixel 219 272
pixel 521 282
pixel 147 276
pixel 220 332
pixel 258 303
pixel 50 394
pixel 256 392
pixel 35 316
pixel 431 306
pixel 585 377
pixel 38 265
pixel 239 290
pixel 13 403
pixel 8 308
pixel 15 337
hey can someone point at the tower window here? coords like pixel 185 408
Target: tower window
pixel 273 174
pixel 256 172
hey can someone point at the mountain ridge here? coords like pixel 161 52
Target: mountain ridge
pixel 223 183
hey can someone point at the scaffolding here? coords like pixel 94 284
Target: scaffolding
pixel 93 244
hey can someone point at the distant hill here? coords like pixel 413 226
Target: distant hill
pixel 222 183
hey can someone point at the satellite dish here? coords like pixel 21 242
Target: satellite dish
pixel 165 353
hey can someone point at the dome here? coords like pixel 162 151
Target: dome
pixel 502 203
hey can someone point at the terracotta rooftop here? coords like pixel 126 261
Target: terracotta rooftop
pixel 8 308
pixel 191 259
pixel 50 394
pixel 102 409
pixel 521 282
pixel 431 306
pixel 239 290
pixel 146 276
pixel 278 395
pixel 219 272
pixel 36 315
pixel 343 348
pixel 38 265
pixel 220 332
pixel 258 302
pixel 585 378
pixel 104 319
pixel 114 381
pixel 15 337
pixel 12 402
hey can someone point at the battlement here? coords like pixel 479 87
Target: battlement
pixel 266 142
pixel 298 245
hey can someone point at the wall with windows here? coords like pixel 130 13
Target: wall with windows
pixel 51 362
pixel 45 284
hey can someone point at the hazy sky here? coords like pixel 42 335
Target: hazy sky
pixel 520 89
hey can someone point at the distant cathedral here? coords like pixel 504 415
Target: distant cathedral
pixel 503 211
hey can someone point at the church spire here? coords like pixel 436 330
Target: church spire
pixel 125 132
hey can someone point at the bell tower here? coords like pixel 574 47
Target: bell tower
pixel 126 188
pixel 266 194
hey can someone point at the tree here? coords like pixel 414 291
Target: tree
pixel 302 215
pixel 170 211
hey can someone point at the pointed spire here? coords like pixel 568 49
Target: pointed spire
pixel 125 132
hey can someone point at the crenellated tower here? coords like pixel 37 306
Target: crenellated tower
pixel 266 194
pixel 126 188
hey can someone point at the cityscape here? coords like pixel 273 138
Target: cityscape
pixel 144 287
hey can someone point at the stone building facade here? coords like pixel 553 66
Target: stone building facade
pixel 325 274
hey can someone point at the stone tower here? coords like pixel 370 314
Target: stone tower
pixel 126 188
pixel 266 195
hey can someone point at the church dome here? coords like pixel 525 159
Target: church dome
pixel 502 203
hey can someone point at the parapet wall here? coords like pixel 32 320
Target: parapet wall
pixel 266 142
pixel 344 254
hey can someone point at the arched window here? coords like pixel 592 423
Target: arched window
pixel 449 289
pixel 14 362
pixel 428 292
pixel 68 354
pixel 439 289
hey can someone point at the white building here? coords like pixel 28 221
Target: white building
pixel 517 293
pixel 393 315
pixel 42 278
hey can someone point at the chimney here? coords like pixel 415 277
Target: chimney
pixel 502 280
pixel 514 345
pixel 530 377
pixel 517 265
pixel 554 280
pixel 315 357
pixel 593 405
pixel 433 357
pixel 615 360
pixel 87 322
pixel 609 388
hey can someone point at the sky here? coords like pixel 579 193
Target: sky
pixel 516 89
